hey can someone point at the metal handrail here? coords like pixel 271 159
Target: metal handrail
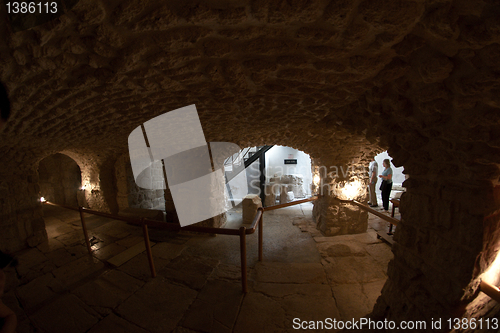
pixel 389 219
pixel 288 204
pixel 144 222
pixel 241 232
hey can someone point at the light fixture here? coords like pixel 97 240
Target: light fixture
pixel 350 190
pixel 316 179
pixel 42 199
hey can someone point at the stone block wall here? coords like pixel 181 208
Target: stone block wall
pixel 131 195
pixel 332 216
pixel 336 218
pixel 21 216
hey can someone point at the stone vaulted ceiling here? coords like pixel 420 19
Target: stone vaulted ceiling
pixel 338 77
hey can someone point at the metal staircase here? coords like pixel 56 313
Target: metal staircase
pixel 238 162
pixel 247 156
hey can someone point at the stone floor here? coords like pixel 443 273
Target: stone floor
pixel 59 287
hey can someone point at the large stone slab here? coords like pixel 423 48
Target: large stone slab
pixel 372 290
pixel 365 238
pixel 51 244
pixel 115 324
pixel 351 301
pixel 108 291
pixel 290 272
pixel 167 251
pixel 29 259
pixel 304 301
pixel 189 270
pixel 60 257
pixel 382 253
pixel 158 306
pixel 39 290
pixel 341 270
pixel 72 238
pixel 260 313
pixel 66 314
pixel 108 251
pixel 341 249
pixel 216 307
pixel 128 254
pixel 116 229
pixel 130 240
pixel 138 267
pixel 77 270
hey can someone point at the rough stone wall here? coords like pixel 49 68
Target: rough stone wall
pixel 131 195
pixel 60 179
pixel 437 243
pixel 419 78
pixel 332 216
pixel 97 178
pixel 21 217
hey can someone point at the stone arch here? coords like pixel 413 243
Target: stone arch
pixel 97 180
pixel 60 179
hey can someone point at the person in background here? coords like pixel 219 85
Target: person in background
pixel 4 105
pixel 386 186
pixel 373 172
pixel 8 319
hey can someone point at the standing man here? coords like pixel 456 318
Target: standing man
pixel 373 172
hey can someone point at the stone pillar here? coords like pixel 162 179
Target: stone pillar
pixel 332 216
pixel 250 205
pixel 435 250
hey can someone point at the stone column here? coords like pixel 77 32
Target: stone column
pixel 332 216
pixel 435 250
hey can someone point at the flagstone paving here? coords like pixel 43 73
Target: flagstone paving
pixel 59 287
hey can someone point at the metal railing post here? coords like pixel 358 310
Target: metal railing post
pixel 85 233
pixel 148 247
pixel 243 253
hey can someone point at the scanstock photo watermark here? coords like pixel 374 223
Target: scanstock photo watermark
pixel 414 325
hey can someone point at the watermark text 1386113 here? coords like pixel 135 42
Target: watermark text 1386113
pixel 23 15
pixel 42 7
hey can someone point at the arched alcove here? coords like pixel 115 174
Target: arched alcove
pixel 60 179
